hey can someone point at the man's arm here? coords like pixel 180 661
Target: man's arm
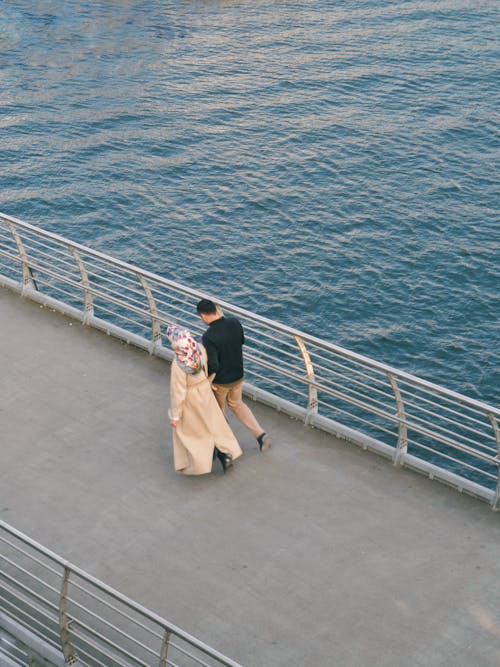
pixel 212 355
pixel 242 333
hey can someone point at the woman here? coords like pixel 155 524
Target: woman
pixel 199 427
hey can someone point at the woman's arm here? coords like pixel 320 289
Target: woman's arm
pixel 178 389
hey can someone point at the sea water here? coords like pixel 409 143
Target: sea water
pixel 330 165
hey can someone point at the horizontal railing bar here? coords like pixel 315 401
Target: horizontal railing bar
pixel 28 591
pixel 63 258
pixel 6 251
pixel 110 625
pixel 356 418
pixel 77 640
pixel 35 239
pixel 175 317
pixel 103 294
pixel 77 622
pixel 325 382
pixel 198 660
pixel 100 308
pixel 12 592
pixel 253 373
pixel 62 276
pixel 412 401
pixel 98 266
pixel 284 364
pixel 32 576
pixel 55 282
pixel 58 289
pixel 377 376
pixel 432 398
pixel 293 350
pixel 446 395
pixel 103 272
pixel 265 321
pixel 122 613
pixel 41 631
pixel 451 443
pixel 375 405
pixel 373 380
pixel 14 258
pixel 442 429
pixel 17 614
pixel 445 414
pixel 276 383
pixel 270 379
pixel 6 264
pixel 6 234
pixel 10 650
pixel 448 457
pixel 256 329
pixel 30 556
pixel 474 418
pixel 172 645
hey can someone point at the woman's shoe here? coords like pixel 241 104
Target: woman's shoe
pixel 225 459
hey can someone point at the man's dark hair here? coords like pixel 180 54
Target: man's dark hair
pixel 206 306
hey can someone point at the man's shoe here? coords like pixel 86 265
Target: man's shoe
pixel 264 441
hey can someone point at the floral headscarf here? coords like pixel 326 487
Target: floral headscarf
pixel 187 352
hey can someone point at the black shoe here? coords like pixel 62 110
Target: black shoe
pixel 264 441
pixel 225 460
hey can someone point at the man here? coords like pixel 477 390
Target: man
pixel 223 341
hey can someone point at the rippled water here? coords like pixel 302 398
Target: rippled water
pixel 331 165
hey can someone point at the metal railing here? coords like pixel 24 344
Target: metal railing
pixel 83 619
pixel 416 423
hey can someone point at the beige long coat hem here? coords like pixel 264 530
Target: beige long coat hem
pixel 201 425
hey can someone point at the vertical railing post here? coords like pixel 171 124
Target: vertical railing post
pixel 27 277
pixel 87 294
pixel 402 445
pixel 70 656
pixel 312 402
pixel 496 500
pixel 153 312
pixel 164 648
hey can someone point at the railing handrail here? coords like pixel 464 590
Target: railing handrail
pixel 433 428
pixel 386 368
pixel 66 565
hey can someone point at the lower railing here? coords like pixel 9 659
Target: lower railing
pixel 80 618
pixel 416 423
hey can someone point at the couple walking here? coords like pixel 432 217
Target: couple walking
pixel 204 378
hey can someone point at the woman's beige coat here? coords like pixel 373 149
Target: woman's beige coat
pixel 201 425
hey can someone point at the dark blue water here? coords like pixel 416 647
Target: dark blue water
pixel 331 165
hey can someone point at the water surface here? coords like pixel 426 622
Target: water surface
pixel 331 165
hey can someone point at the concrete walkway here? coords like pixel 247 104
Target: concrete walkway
pixel 312 554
